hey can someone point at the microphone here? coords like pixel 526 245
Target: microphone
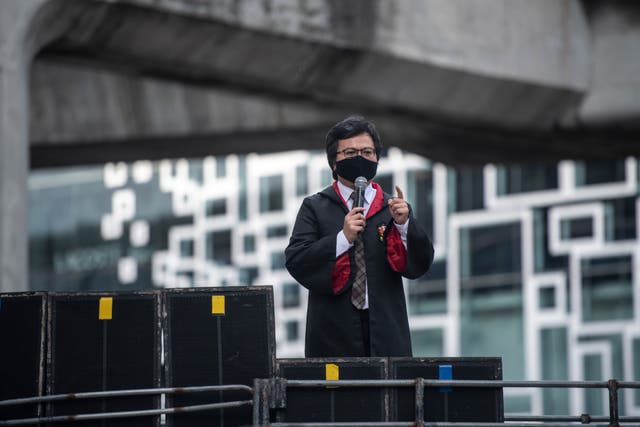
pixel 360 184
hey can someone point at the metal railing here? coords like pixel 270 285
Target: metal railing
pixel 271 393
pixel 124 393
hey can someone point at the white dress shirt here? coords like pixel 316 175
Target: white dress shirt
pixel 342 244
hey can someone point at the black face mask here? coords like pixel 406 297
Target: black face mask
pixel 356 166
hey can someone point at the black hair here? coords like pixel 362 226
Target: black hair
pixel 347 128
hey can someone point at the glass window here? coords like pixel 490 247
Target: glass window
pixel 636 367
pixel 248 275
pixel 469 188
pixel 491 295
pixel 576 228
pixel 607 282
pixel 592 172
pixel 277 231
pixel 221 166
pixel 83 221
pixel 277 260
pixel 427 342
pixel 291 328
pixel 620 219
pixel 593 372
pixel 490 250
pixel 554 356
pixel 196 171
pixel 326 177
pixel 271 193
pixel 302 181
pixel 517 404
pixel 547 297
pixel 216 207
pixel 615 342
pixel 525 178
pixel 249 243
pixel 492 325
pixel 428 295
pixel 290 295
pixel 186 248
pixel 543 260
pixel 218 246
pixel 242 190
pixel 420 195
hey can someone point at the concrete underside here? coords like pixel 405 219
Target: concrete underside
pixel 178 80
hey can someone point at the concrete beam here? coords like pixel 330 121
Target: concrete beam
pixel 75 103
pixel 83 114
pixel 446 61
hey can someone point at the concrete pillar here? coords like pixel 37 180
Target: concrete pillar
pixel 14 145
pixel 24 28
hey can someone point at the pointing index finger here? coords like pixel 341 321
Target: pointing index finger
pixel 400 193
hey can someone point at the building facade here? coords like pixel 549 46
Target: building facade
pixel 536 263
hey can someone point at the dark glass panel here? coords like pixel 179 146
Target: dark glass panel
pixel 218 246
pixel 290 295
pixel 514 179
pixel 271 193
pixel 607 282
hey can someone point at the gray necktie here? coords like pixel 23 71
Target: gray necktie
pixel 358 288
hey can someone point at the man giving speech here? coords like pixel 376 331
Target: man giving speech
pixel 351 256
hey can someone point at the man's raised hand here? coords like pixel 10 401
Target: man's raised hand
pixel 399 207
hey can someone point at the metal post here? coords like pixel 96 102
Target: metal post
pixel 614 421
pixel 266 402
pixel 279 390
pixel 419 402
pixel 258 385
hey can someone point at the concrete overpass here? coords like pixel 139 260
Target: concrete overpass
pixel 88 81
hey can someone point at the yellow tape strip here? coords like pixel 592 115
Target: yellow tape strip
pixel 332 372
pixel 217 304
pixel 105 312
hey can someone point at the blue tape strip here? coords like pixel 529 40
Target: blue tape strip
pixel 445 373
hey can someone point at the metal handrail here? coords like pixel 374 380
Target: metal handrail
pixel 124 393
pixel 460 383
pixel 124 414
pixel 276 389
pixel 270 393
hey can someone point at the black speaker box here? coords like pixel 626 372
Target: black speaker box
pixel 22 338
pixel 331 404
pixel 104 341
pixel 216 336
pixel 455 404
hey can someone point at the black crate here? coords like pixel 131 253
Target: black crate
pixel 217 336
pixel 94 347
pixel 22 338
pixel 331 404
pixel 449 404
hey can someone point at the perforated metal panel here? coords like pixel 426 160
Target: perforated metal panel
pixel 216 336
pixel 448 404
pixel 104 341
pixel 333 404
pixel 22 339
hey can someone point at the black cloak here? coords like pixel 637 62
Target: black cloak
pixel 333 324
